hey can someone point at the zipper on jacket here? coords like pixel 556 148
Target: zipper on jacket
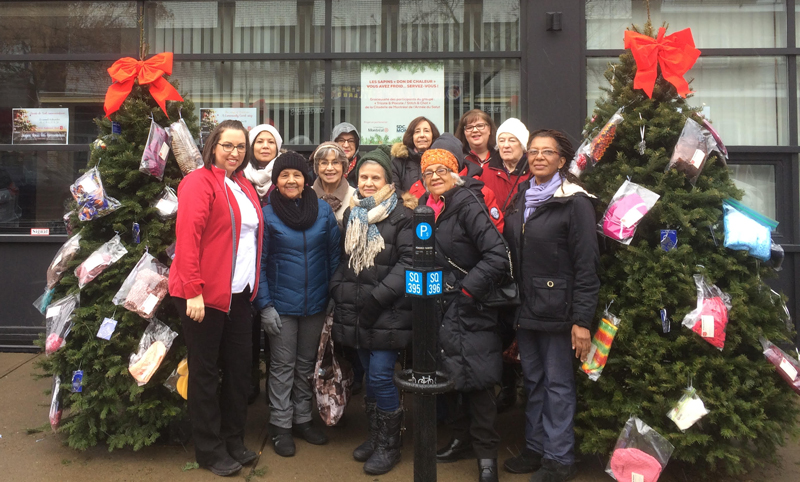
pixel 233 237
pixel 305 253
pixel 521 250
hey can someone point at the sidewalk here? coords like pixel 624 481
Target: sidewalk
pixel 41 456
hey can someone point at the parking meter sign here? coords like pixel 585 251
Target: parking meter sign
pixel 413 283
pixel 424 231
pixel 434 283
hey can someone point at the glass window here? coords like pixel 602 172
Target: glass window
pixel 490 85
pixel 758 183
pixel 287 94
pixel 68 28
pixel 745 97
pixel 264 26
pixel 714 24
pixel 424 25
pixel 34 187
pixel 78 86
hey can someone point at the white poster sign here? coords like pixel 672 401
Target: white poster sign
pixel 211 116
pixel 40 126
pixel 393 94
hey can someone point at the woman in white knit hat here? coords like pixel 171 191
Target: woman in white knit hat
pixel 504 176
pixel 266 144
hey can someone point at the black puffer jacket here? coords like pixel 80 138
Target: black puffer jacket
pixel 385 280
pixel 558 259
pixel 405 167
pixel 469 343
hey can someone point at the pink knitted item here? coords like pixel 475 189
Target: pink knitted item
pixel 628 461
pixel 623 216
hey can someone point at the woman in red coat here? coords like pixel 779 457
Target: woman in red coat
pixel 212 281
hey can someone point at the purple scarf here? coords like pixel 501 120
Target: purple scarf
pixel 538 194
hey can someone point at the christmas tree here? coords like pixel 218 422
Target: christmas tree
pixel 112 408
pixel 751 409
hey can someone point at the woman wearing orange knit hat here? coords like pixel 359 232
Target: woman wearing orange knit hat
pixel 471 254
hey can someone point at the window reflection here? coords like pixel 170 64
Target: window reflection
pixel 758 183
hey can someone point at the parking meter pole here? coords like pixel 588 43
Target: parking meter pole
pixel 424 284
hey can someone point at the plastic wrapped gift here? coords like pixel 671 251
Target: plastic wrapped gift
pixel 787 366
pixel 103 257
pixel 59 322
pixel 167 203
pixel 591 151
pixel 91 197
pixel 184 148
pixel 65 254
pixel 153 347
pixel 692 150
pixel 154 157
pixel 627 208
pixel 601 346
pixel 640 453
pixel 710 318
pixel 746 229
pixel 145 287
pixel 689 409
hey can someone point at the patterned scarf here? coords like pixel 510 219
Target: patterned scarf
pixel 335 199
pixel 362 239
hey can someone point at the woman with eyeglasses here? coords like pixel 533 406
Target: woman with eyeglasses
pixel 406 156
pixel 300 252
pixel 476 130
pixel 470 252
pixel 330 164
pixel 212 281
pixel 550 229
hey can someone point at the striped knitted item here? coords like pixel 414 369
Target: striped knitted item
pixel 601 345
pixel 362 240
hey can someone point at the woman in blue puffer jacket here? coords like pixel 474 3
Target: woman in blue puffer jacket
pixel 300 253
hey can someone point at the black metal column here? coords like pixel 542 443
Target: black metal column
pixel 424 283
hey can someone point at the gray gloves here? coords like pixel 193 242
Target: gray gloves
pixel 271 321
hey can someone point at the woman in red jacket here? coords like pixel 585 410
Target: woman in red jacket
pixel 212 281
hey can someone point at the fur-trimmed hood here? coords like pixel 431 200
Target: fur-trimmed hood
pixel 399 150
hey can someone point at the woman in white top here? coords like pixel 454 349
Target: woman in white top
pixel 266 143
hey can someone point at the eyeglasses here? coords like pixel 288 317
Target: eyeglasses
pixel 327 164
pixel 441 172
pixel 343 141
pixel 228 147
pixel 476 127
pixel 549 153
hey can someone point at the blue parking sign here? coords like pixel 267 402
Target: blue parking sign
pixel 434 285
pixel 424 231
pixel 413 282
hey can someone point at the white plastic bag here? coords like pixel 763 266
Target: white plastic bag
pixel 710 318
pixel 144 288
pixel 166 203
pixel 640 454
pixel 65 254
pixel 156 150
pixel 103 257
pixel 692 150
pixel 55 404
pixel 184 148
pixel 689 409
pixel 91 197
pixel 626 209
pixel 153 347
pixel 59 322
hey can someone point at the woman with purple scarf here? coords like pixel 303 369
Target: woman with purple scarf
pixel 550 228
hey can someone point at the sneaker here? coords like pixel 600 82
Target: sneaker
pixel 282 441
pixel 524 463
pixel 552 471
pixel 311 434
pixel 224 467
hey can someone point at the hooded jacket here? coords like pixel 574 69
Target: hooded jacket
pixel 558 258
pixel 385 281
pixel 472 257
pixel 347 128
pixel 406 173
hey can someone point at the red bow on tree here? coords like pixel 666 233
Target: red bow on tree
pixel 675 53
pixel 150 71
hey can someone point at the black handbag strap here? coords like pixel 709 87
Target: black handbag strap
pixel 505 244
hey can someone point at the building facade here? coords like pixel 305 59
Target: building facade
pixel 300 64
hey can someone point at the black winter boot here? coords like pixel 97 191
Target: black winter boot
pixel 387 449
pixel 365 450
pixel 487 470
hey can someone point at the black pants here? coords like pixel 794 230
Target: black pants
pixel 472 415
pixel 221 341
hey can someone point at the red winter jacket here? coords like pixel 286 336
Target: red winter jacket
pixel 503 184
pixel 207 231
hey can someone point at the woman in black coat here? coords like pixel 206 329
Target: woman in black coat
pixel 406 156
pixel 470 252
pixel 372 313
pixel 551 229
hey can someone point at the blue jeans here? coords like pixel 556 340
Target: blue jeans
pixel 550 385
pixel 379 370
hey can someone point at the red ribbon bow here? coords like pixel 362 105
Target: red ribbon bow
pixel 675 53
pixel 150 71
